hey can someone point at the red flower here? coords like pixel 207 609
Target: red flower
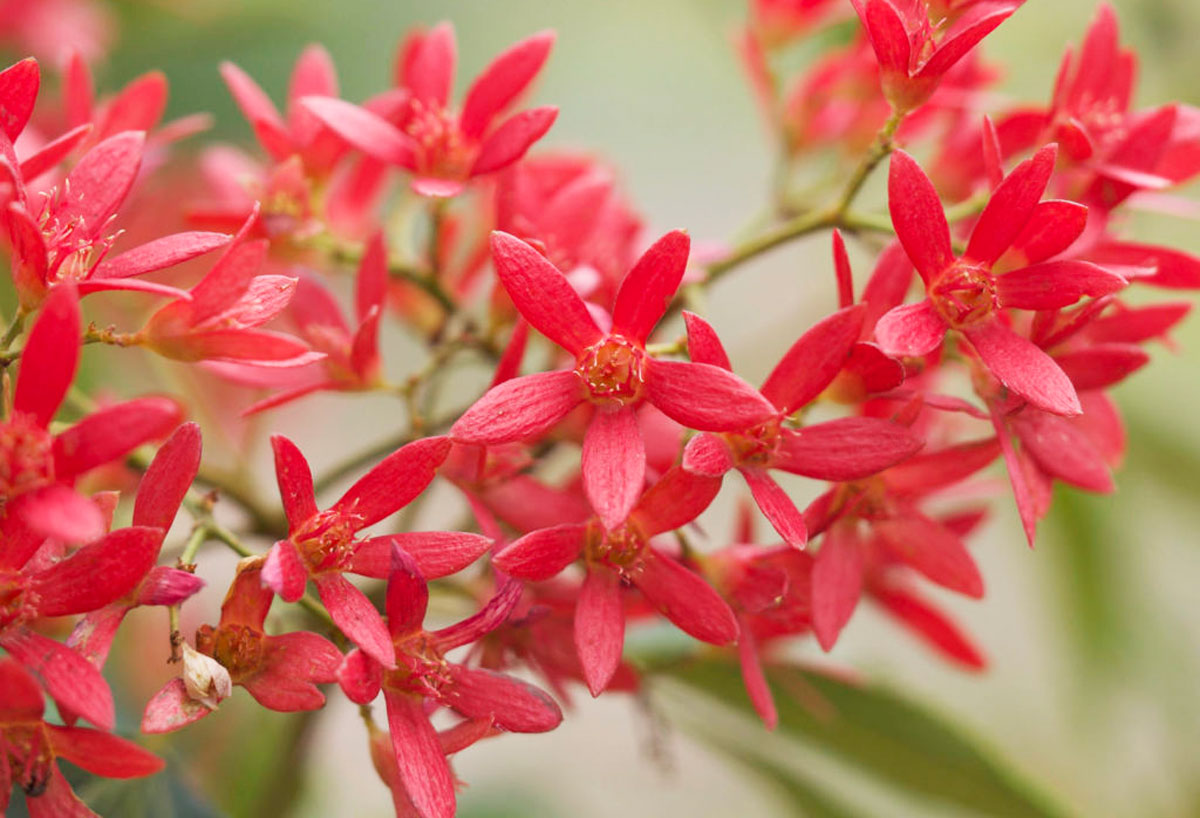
pixel 622 554
pixel 845 449
pixel 30 749
pixel 444 149
pixel 612 370
pixel 68 236
pixel 423 675
pixel 162 489
pixel 219 318
pixel 896 534
pixel 903 34
pixel 280 672
pixel 37 469
pixel 321 545
pixel 963 293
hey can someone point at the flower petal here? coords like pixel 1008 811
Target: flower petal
pixel 395 481
pixel 705 397
pixel 72 681
pixel 101 753
pixel 814 360
pixel 541 554
pixel 910 330
pixel 542 294
pixel 837 582
pixel 1010 207
pixel 599 627
pixel 172 708
pixel 707 454
pixel 294 477
pixel 500 83
pixel 930 624
pixel 365 130
pixel 511 704
pixel 98 573
pixel 777 507
pixel 511 140
pixel 675 500
pixel 423 768
pixel 649 287
pixel 357 617
pixel 50 357
pixel 1055 284
pixel 293 665
pixel 519 409
pixel 284 572
pixel 613 464
pixel 704 347
pixel 846 449
pixel 918 217
pixel 168 478
pixel 1024 369
pixel 436 553
pixel 683 597
pixel 934 550
pixel 110 433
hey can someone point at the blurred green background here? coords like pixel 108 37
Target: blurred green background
pixel 1094 638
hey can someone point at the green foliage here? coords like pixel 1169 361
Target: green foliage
pixel 877 733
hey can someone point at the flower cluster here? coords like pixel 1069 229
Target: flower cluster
pixel 1003 306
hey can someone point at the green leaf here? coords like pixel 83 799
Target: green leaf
pixel 805 799
pixel 880 734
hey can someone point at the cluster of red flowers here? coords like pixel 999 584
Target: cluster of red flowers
pixel 586 475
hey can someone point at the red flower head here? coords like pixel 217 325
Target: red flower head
pixel 162 489
pixel 30 749
pixel 419 675
pixel 918 41
pixel 38 469
pixel 441 148
pixel 612 371
pixel 321 545
pixel 621 554
pixel 874 528
pixel 965 295
pixel 280 672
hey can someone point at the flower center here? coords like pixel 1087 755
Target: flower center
pixel 239 648
pixel 619 549
pixel 613 370
pixel 964 295
pixel 326 541
pixel 441 151
pixel 756 446
pixel 26 457
pixel 29 756
pixel 15 603
pixel 420 666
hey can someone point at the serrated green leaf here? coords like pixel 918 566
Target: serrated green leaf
pixel 881 734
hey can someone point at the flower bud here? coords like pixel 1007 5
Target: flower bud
pixel 206 679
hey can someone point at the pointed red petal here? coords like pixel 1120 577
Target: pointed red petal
pixel 930 624
pixel 542 294
pixel 58 512
pixel 500 83
pixel 168 478
pixel 293 665
pixel 934 550
pixel 436 553
pixel 112 432
pixel 423 768
pixel 97 574
pixel 1102 365
pixel 102 754
pixel 814 360
pixel 72 681
pixel 1010 207
pixel 1062 450
pixel 675 500
pixel 50 357
pixel 99 183
pixel 704 347
pixel 250 98
pixel 599 627
pixel 366 131
pixel 519 409
pixel 1024 368
pixel 512 139
pixel 754 679
pixel 160 254
pixel 512 704
pixel 395 481
pixel 688 601
pixel 18 92
pixel 613 464
pixel 1055 284
pixel 910 330
pixel 705 397
pixel 649 287
pixel 777 507
pixel 359 677
pixel 407 595
pixel 837 581
pixel 541 554
pixel 846 449
pixel 918 217
pixel 707 454
pixel 294 477
pixel 371 285
pixel 357 617
pixel 283 572
pixel 430 74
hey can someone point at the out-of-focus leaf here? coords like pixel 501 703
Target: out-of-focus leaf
pixel 879 734
pixel 804 799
